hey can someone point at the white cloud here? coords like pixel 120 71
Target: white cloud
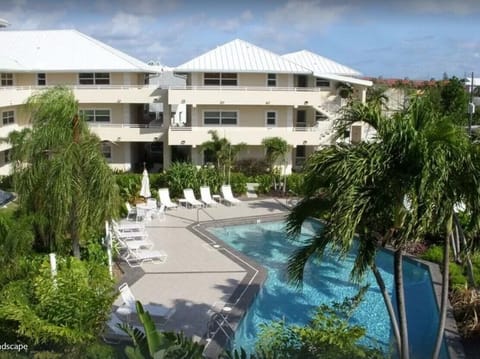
pixel 232 24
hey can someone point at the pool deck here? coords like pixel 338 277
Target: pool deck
pixel 198 276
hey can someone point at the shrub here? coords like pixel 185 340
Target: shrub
pixel 433 254
pixel 180 176
pixel 295 183
pixel 209 176
pixel 251 166
pixel 265 183
pixel 457 276
pixel 466 305
pixel 6 183
pixel 238 181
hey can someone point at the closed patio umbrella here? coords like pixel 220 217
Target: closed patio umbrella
pixel 145 190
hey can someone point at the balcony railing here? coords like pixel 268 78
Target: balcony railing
pixel 252 88
pixel 16 95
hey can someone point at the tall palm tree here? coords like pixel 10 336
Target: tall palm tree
pixel 60 174
pixel 223 151
pixel 417 155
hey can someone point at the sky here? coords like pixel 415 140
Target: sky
pixel 415 39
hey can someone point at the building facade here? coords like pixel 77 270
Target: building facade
pixel 143 113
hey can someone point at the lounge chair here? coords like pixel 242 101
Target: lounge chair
pixel 207 197
pixel 136 257
pixel 128 227
pixel 112 333
pixel 132 243
pixel 129 305
pixel 252 190
pixel 164 197
pixel 190 198
pixel 131 212
pixel 228 195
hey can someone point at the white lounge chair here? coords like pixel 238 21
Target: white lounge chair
pixel 129 305
pixel 228 195
pixel 133 243
pixel 190 198
pixel 136 257
pixel 131 212
pixel 164 197
pixel 128 227
pixel 206 196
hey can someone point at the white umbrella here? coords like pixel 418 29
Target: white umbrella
pixel 145 190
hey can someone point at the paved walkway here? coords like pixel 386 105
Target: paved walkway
pixel 196 275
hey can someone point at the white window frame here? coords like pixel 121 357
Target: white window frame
pixel 5 117
pixel 220 78
pixel 81 112
pixel 44 79
pixel 319 79
pixel 220 118
pixel 94 78
pixel 266 118
pixel 6 77
pixel 274 78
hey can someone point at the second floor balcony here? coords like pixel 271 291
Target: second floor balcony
pixel 248 95
pixel 128 132
pixel 17 95
pixel 253 136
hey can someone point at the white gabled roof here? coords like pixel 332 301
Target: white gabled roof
pixel 61 51
pixel 326 68
pixel 241 56
pixel 320 64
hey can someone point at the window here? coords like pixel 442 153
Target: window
pixel 106 150
pixel 7 156
pixel 220 118
pixel 271 79
pixel 41 79
pixel 6 79
pixel 300 153
pixel 271 118
pixel 219 79
pixel 321 82
pixel 8 118
pixel 209 157
pixel 95 115
pixel 94 78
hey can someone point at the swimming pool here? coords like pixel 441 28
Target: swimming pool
pixel 325 282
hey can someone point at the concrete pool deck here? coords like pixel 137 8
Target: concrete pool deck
pixel 197 276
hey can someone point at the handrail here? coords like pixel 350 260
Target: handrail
pixel 324 126
pixel 81 87
pixel 250 88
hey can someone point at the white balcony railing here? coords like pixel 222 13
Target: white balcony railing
pixel 248 95
pixel 128 132
pixel 253 136
pixel 17 95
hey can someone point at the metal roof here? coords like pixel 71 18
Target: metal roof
pixel 61 51
pixel 320 64
pixel 241 56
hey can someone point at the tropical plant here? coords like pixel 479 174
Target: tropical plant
pixel 420 158
pixel 60 174
pixel 181 175
pixel 275 148
pixel 61 310
pixel 328 335
pixel 224 153
pixel 151 343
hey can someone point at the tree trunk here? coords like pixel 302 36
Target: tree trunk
pixel 399 292
pixel 470 276
pixel 389 305
pixel 443 306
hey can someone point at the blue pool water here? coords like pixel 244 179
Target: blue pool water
pixel 327 281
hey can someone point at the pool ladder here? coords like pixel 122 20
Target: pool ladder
pixel 219 322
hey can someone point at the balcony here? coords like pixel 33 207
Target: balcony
pixel 253 136
pixel 247 95
pixel 128 132
pixel 17 95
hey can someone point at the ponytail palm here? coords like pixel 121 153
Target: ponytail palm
pixel 60 174
pixel 417 157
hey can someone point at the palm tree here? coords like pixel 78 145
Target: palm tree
pixel 60 174
pixel 276 148
pixel 362 189
pixel 223 152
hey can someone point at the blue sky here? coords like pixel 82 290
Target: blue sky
pixel 418 39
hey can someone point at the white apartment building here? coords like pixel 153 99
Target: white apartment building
pixel 109 85
pixel 244 92
pixel 247 93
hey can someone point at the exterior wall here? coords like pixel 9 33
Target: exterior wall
pixel 59 78
pixel 246 79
